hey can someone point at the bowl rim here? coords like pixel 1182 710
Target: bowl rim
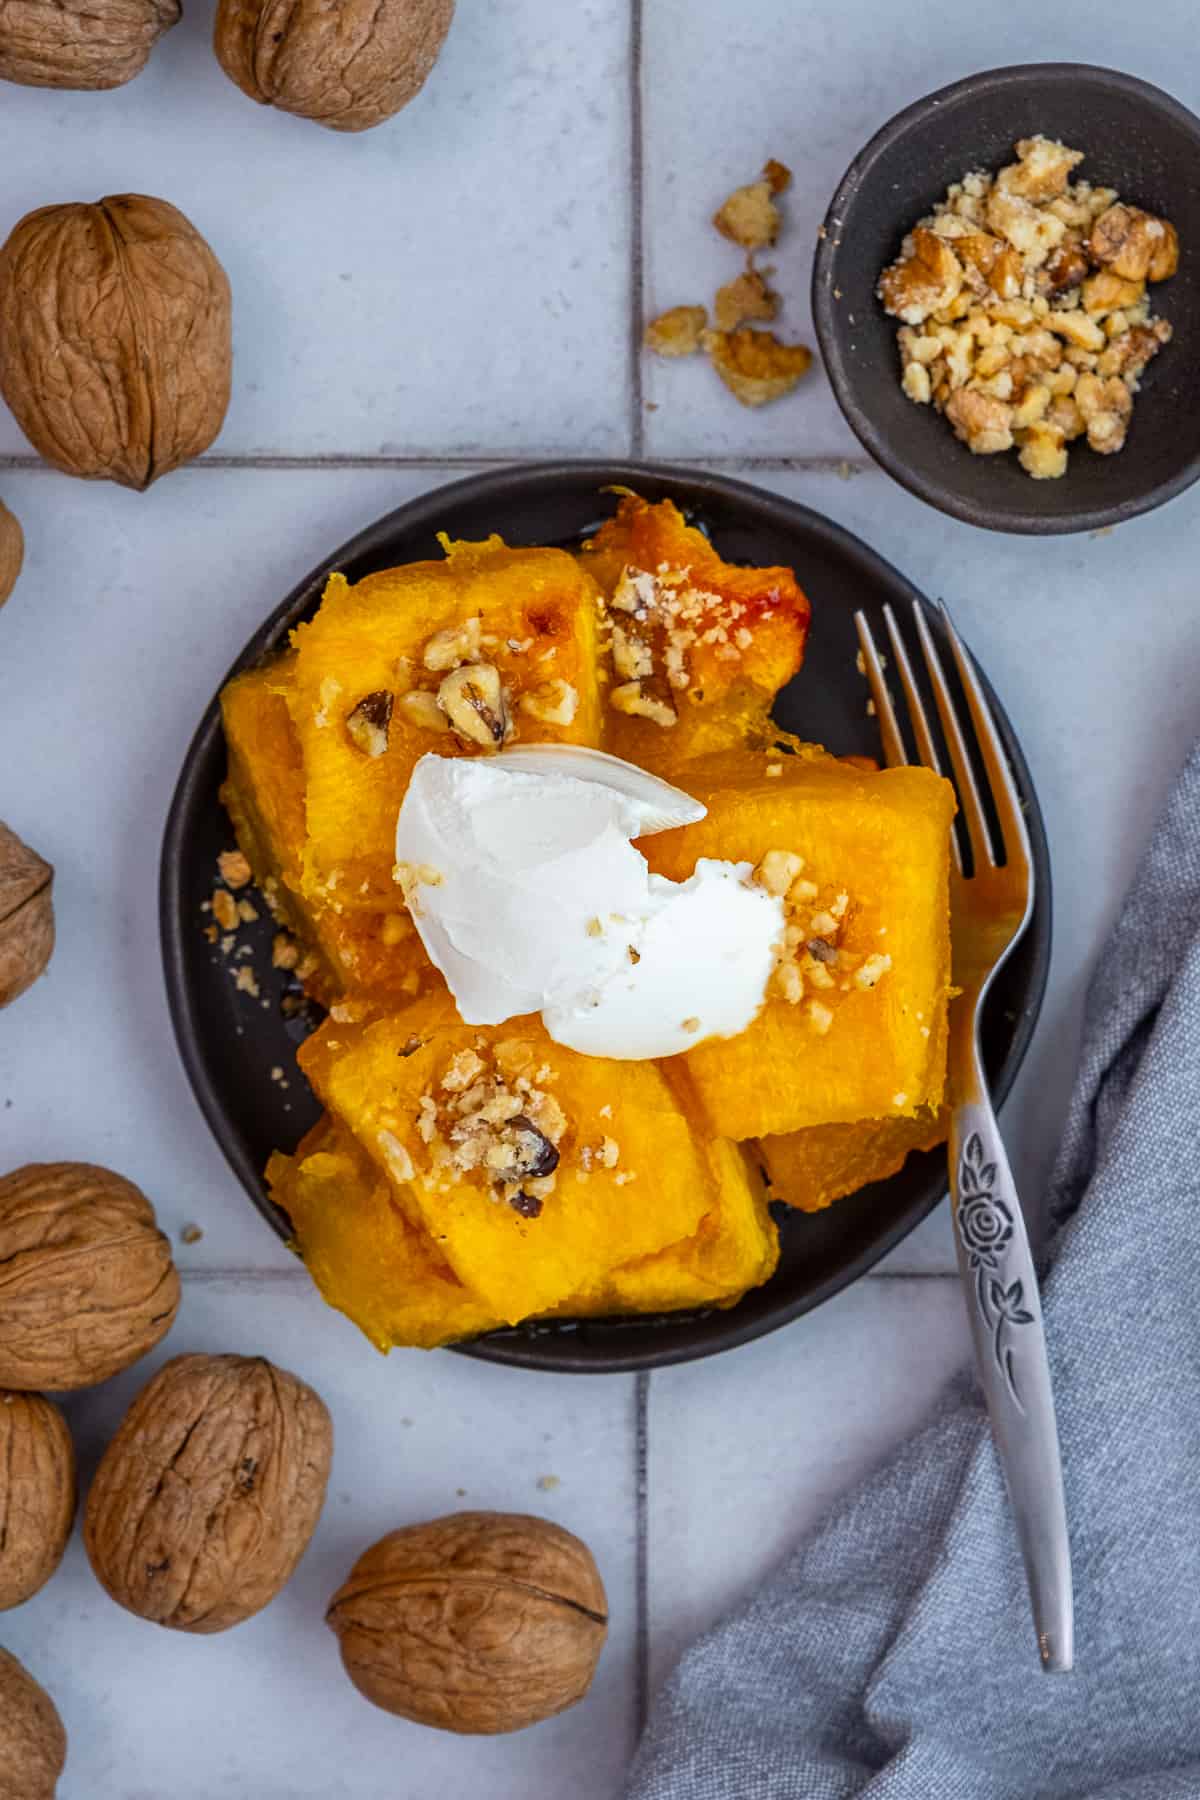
pixel 827 319
pixel 526 1346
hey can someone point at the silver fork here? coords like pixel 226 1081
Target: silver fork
pixel 990 909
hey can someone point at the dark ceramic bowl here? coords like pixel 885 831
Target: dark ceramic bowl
pixel 1136 139
pixel 231 1041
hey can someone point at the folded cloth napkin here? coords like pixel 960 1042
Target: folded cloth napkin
pixel 893 1656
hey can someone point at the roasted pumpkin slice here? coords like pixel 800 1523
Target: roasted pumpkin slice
pixel 736 1247
pixel 383 1272
pixel 854 1026
pixel 696 648
pixel 535 1170
pixel 489 646
pixel 371 953
pixel 363 1251
pixel 813 1168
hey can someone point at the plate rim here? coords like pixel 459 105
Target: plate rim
pixel 529 1347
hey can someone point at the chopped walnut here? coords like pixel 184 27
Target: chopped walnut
pixel 927 278
pixel 234 869
pixel 421 709
pixel 456 644
pixel 777 871
pixel 473 699
pixel 746 297
pixel 485 1116
pixel 369 722
pixel 677 331
pixel 1015 287
pixel 749 216
pixel 285 951
pixel 224 908
pixel 551 703
pixel 754 365
pixel 983 423
pixel 632 699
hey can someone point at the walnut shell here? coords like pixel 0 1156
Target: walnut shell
pixel 33 1744
pixel 348 67
pixel 480 1622
pixel 26 915
pixel 80 43
pixel 115 337
pixel 37 1495
pixel 209 1493
pixel 12 547
pixel 87 1284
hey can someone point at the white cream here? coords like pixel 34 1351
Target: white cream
pixel 530 897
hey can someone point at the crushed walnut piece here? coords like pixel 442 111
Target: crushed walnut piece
pixel 750 217
pixel 234 869
pixel 652 622
pixel 753 364
pixel 676 332
pixel 746 297
pixel 810 957
pixel 489 1115
pixel 1023 310
pixel 224 909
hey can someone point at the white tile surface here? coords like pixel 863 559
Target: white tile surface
pixel 264 1712
pixel 455 280
pixel 725 89
pixel 748 1450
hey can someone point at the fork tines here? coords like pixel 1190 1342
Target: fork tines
pixel 1006 801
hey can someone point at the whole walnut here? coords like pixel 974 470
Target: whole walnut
pixel 12 549
pixel 33 1744
pixel 87 1284
pixel 348 66
pixel 480 1622
pixel 80 43
pixel 209 1493
pixel 26 915
pixel 37 1495
pixel 115 337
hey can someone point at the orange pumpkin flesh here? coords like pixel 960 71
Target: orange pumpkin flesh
pixel 811 1169
pixel 415 1257
pixel 882 840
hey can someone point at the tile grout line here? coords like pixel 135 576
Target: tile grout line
pixel 843 466
pixel 642 1505
pixel 637 281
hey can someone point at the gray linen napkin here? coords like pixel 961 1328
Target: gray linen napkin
pixel 892 1655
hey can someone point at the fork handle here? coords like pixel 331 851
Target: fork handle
pixel 1000 1285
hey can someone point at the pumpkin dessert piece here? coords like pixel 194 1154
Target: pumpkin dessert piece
pixel 855 1019
pixel 811 1169
pixel 368 1258
pixel 695 648
pixel 376 952
pixel 535 1170
pixel 490 647
pixel 386 1273
pixel 735 1247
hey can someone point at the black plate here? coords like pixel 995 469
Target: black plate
pixel 230 1041
pixel 1136 139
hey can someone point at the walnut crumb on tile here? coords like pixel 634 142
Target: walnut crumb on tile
pixel 677 331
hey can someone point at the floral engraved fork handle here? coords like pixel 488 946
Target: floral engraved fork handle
pixel 985 1230
pixel 1004 1308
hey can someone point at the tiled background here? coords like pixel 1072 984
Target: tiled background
pixel 461 287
